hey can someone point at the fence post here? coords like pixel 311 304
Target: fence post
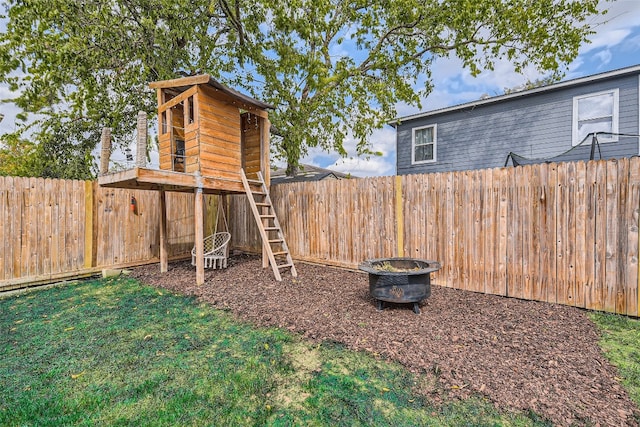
pixel 141 149
pixel 105 143
pixel 199 235
pixel 164 257
pixel 399 216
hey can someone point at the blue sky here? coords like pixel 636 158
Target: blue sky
pixel 616 44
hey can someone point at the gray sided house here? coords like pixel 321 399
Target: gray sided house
pixel 546 123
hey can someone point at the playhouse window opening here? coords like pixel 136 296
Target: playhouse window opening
pixel 179 156
pixel 163 125
pixel 190 112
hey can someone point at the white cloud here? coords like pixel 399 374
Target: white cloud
pixel 382 140
pixel 374 166
pixel 613 27
pixel 8 123
pixel 605 39
pixel 604 56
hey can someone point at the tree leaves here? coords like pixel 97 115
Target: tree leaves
pixel 333 68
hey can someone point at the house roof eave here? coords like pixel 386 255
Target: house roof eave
pixel 501 98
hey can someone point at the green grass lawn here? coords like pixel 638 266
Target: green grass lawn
pixel 621 344
pixel 115 352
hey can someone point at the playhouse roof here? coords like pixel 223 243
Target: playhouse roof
pixel 184 83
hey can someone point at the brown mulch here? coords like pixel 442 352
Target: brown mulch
pixel 521 355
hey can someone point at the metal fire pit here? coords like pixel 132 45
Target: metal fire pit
pixel 399 280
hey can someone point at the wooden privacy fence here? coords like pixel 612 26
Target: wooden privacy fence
pixel 53 229
pixel 564 233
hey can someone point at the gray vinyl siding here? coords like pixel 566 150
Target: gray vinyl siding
pixel 535 126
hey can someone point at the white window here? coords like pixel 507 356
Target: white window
pixel 424 144
pixel 596 112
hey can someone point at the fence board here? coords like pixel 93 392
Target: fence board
pixel 562 237
pixel 631 267
pixel 533 273
pixel 611 237
pixel 16 231
pixel 491 232
pixel 600 248
pixel 434 235
pixel 474 253
pixel 513 235
pixel 552 237
pixel 503 234
pixel 580 264
pixel 621 250
pixel 591 176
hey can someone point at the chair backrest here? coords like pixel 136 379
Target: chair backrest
pixel 220 242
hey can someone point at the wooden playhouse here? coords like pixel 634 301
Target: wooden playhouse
pixel 212 140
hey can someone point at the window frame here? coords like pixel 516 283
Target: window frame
pixel 615 116
pixel 435 144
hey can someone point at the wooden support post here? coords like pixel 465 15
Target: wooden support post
pixel 141 149
pixel 164 258
pixel 225 209
pixel 199 235
pixel 399 217
pixel 265 135
pixel 265 168
pixel 105 150
pixel 265 249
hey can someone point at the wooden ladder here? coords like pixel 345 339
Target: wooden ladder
pixel 269 226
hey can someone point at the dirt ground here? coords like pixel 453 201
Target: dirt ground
pixel 521 355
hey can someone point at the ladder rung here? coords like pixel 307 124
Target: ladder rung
pixel 271 228
pixel 280 253
pixel 262 204
pixel 259 193
pixel 254 181
pixel 267 216
pixel 276 240
pixel 285 265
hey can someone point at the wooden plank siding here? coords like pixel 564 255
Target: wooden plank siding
pixel 251 131
pixel 219 134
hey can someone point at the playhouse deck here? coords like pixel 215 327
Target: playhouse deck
pixel 152 179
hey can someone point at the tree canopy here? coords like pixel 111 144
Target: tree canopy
pixel 332 68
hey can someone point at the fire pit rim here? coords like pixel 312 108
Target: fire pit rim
pixel 367 266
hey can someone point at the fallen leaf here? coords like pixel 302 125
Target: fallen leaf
pixel 78 375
